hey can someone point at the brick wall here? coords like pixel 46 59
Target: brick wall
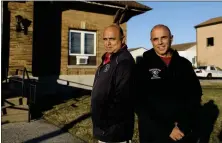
pixel 20 52
pixel 71 19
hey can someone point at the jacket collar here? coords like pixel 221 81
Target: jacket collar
pixel 152 54
pixel 113 55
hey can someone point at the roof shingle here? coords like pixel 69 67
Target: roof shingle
pixel 211 21
pixel 131 4
pixel 183 47
pixel 133 49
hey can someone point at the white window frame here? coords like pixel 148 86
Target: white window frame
pixel 82 43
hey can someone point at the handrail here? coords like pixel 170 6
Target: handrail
pixel 25 72
pixel 31 98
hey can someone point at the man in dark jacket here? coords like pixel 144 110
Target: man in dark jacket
pixel 169 93
pixel 111 102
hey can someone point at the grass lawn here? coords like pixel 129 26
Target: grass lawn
pixel 71 115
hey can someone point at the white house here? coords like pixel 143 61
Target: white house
pixel 137 52
pixel 188 51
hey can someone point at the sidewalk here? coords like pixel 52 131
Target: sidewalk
pixel 39 131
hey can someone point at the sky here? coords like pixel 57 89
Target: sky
pixel 180 17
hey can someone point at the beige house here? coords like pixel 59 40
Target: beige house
pixel 209 42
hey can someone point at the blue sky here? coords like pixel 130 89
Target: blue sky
pixel 180 17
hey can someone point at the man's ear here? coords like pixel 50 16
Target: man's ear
pixel 171 38
pixel 123 41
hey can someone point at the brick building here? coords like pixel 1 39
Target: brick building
pixel 58 38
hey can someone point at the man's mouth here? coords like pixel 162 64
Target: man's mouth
pixel 161 48
pixel 108 48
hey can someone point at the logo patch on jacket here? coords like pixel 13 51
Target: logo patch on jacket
pixel 155 73
pixel 106 68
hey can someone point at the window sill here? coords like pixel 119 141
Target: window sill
pixel 84 55
pixel 81 66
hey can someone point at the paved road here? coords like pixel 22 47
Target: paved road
pixel 38 131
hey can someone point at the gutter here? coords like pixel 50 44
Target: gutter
pixel 209 24
pixel 112 6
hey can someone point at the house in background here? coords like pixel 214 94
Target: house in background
pixel 137 52
pixel 53 38
pixel 209 42
pixel 188 51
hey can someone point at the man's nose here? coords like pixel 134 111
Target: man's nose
pixel 108 42
pixel 160 41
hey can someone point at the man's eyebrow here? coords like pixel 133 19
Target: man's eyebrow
pixel 154 38
pixel 109 38
pixel 164 36
pixel 160 37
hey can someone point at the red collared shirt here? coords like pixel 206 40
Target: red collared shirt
pixel 108 55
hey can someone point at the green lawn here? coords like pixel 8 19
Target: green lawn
pixel 70 111
pixel 214 94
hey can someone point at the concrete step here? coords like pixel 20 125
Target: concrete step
pixel 15 101
pixel 15 118
pixel 21 109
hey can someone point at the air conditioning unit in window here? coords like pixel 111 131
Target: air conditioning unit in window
pixel 81 60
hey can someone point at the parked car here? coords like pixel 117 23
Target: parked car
pixel 208 72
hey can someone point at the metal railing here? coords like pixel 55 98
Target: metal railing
pixel 32 97
pixel 27 85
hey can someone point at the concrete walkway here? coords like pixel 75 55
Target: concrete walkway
pixel 39 131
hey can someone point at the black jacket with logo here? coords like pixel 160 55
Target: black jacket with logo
pixel 111 101
pixel 165 95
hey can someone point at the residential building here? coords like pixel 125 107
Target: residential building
pixel 137 52
pixel 209 42
pixel 188 51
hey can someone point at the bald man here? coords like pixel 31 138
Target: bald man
pixel 169 93
pixel 111 102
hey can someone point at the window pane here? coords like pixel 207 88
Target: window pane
pixel 210 41
pixel 202 67
pixel 89 44
pixel 75 42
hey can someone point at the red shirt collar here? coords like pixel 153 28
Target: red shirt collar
pixel 108 55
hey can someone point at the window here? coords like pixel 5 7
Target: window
pixel 210 41
pixel 212 68
pixel 82 43
pixel 202 67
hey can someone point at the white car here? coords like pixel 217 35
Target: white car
pixel 208 72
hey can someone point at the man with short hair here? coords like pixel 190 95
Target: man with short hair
pixel 169 93
pixel 111 101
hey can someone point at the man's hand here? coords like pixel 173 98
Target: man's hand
pixel 176 134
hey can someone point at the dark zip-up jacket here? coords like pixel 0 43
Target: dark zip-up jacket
pixel 111 101
pixel 166 94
